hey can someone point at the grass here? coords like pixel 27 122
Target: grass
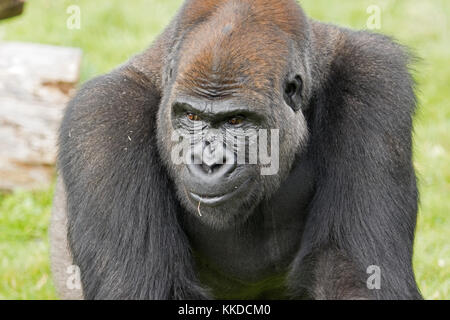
pixel 113 30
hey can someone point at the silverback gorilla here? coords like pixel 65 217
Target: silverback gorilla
pixel 343 202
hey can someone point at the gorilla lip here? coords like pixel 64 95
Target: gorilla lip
pixel 210 200
pixel 215 200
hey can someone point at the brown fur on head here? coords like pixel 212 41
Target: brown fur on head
pixel 239 45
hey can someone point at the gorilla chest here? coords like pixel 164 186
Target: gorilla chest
pixel 251 262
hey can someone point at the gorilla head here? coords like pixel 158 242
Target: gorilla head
pixel 237 80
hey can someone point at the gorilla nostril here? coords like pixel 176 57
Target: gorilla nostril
pixel 209 169
pixel 212 160
pixel 206 168
pixel 213 168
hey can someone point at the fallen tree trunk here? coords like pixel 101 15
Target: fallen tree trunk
pixel 36 82
pixel 10 8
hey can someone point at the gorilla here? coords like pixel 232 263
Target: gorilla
pixel 333 214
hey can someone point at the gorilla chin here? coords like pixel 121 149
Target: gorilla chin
pixel 223 204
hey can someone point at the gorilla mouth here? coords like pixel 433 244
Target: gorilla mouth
pixel 211 200
pixel 215 200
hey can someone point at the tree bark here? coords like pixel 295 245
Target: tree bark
pixel 36 82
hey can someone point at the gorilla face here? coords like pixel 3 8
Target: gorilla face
pixel 213 183
pixel 222 112
pixel 210 148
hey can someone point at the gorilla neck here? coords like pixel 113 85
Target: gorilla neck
pixel 262 248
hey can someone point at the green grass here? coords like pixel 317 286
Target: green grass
pixel 113 30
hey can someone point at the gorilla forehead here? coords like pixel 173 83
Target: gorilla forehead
pixel 240 46
pixel 285 14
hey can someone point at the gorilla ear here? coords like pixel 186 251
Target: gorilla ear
pixel 292 92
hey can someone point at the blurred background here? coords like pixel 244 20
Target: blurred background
pixel 108 32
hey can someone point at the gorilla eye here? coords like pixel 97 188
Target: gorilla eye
pixel 193 117
pixel 235 121
pixel 293 93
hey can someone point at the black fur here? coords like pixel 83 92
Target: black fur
pixel 365 203
pixel 124 216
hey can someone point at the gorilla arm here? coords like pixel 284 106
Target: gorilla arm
pixel 364 209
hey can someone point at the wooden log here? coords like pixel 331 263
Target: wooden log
pixel 36 82
pixel 10 8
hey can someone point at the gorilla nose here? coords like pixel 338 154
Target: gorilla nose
pixel 212 161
